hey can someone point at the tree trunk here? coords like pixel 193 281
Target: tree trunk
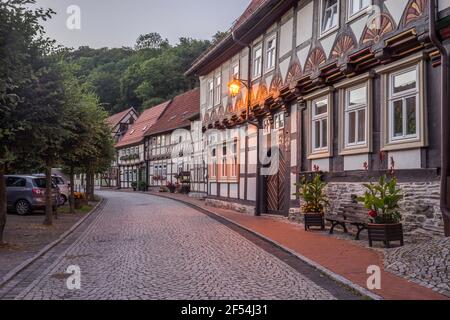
pixel 48 195
pixel 88 185
pixel 3 205
pixel 72 191
pixel 92 191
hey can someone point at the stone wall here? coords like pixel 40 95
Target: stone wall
pixel 230 206
pixel 422 217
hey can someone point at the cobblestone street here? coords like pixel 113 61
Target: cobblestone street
pixel 145 247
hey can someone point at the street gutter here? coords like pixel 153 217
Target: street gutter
pixel 336 277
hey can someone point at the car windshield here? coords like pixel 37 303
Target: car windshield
pixel 41 183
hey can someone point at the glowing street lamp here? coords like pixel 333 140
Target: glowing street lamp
pixel 234 86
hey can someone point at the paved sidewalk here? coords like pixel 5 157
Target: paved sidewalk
pixel 342 257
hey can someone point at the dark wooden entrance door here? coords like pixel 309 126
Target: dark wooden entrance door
pixel 276 186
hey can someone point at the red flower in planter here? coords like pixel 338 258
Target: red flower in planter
pixel 373 214
pixel 392 170
pixel 366 166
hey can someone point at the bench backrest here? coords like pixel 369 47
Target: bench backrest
pixel 355 211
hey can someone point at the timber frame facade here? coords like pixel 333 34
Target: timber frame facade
pixel 334 84
pixel 172 146
pixel 131 148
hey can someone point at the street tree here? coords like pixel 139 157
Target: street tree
pixel 21 42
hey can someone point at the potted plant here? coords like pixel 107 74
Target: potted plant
pixel 143 186
pixel 171 186
pixel 134 186
pixel 382 200
pixel 78 200
pixel 312 192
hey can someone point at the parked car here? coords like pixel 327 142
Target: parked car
pixel 63 186
pixel 27 193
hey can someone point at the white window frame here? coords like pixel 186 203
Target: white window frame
pixel 322 15
pixel 345 87
pixel 224 162
pixel 355 109
pixel 235 74
pixel 393 97
pixel 320 153
pixel 362 10
pixel 279 121
pixel 234 157
pixel 319 118
pixel 386 72
pixel 257 61
pixel 271 53
pixel 217 89
pixel 210 93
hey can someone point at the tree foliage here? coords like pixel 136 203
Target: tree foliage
pixel 22 44
pixel 124 77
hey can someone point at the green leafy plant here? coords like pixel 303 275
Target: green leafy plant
pixel 143 186
pixel 382 199
pixel 313 194
pixel 134 185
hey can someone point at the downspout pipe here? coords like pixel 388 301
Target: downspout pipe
pixel 444 202
pixel 255 123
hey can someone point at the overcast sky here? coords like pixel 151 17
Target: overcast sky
pixel 117 23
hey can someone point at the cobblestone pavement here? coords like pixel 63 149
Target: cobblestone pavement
pixel 426 263
pixel 145 247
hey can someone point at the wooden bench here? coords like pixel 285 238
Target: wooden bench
pixel 353 214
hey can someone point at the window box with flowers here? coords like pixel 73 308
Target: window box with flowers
pixel 314 200
pixel 382 199
pixel 130 157
pixel 159 178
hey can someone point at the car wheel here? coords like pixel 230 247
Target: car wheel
pixel 23 207
pixel 62 200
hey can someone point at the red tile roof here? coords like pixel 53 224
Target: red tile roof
pixel 178 113
pixel 136 132
pixel 115 119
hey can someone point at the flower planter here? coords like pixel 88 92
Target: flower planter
pixel 385 233
pixel 78 204
pixel 314 220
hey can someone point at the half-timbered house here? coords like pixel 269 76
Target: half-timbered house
pixel 168 144
pixel 119 124
pixel 332 84
pixel 130 149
